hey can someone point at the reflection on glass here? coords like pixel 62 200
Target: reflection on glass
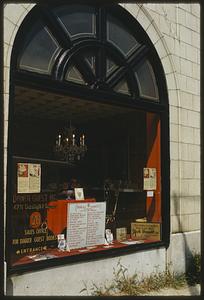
pixel 119 36
pixel 91 59
pixel 122 87
pixel 39 54
pixel 146 81
pixel 110 66
pixel 77 20
pixel 74 75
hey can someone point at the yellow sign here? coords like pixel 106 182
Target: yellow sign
pixel 145 231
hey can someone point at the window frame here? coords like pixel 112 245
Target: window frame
pixel 50 84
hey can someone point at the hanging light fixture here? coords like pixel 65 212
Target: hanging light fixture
pixel 66 147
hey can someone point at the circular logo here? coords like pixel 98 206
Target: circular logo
pixel 35 219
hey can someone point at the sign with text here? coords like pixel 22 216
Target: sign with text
pixel 145 231
pixel 85 224
pixel 150 178
pixel 28 178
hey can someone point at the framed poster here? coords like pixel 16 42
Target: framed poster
pixel 150 179
pixel 28 178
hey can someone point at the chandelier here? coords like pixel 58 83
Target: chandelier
pixel 66 147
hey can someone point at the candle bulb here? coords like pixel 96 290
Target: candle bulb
pixel 67 140
pixel 73 139
pixel 83 138
pixel 59 141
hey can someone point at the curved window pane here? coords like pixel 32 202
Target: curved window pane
pixel 38 56
pixel 122 87
pixel 118 35
pixel 146 81
pixel 110 66
pixel 91 59
pixel 77 20
pixel 74 75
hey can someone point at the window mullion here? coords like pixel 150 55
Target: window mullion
pixel 85 69
pixel 137 56
pixel 101 36
pixel 55 27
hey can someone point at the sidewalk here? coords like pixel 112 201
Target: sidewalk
pixel 184 291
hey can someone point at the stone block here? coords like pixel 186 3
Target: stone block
pixel 174 133
pixel 184 187
pixel 5 134
pixel 181 15
pixel 183 117
pixel 197 205
pixel 194 222
pixel 191 21
pixel 186 100
pixel 192 86
pixel 196 71
pixel 180 48
pixel 143 19
pixel 195 39
pixel 195 9
pixel 177 63
pixel 173 97
pixel 6 79
pixel 175 205
pixel 166 63
pixel 185 34
pixel 196 102
pixel 182 80
pixel 197 170
pixel 185 6
pixel 174 167
pixel 187 134
pixel 175 224
pixel 184 223
pixel 163 54
pixel 193 152
pixel 170 41
pixel 184 151
pixel 196 136
pixel 153 34
pixel 170 78
pixel 9 28
pixel 187 169
pixel 186 67
pixel 13 12
pixel 194 187
pixel 133 8
pixel 174 151
pixel 173 115
pixel 174 186
pixel 193 118
pixel 191 53
pixel 187 205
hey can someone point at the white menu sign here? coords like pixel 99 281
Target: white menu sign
pixel 85 224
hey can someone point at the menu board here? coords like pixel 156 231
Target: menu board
pixel 85 224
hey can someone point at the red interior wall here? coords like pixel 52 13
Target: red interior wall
pixel 153 204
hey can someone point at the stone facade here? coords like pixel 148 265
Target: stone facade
pixel 175 32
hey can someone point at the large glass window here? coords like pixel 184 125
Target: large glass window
pixel 120 176
pixel 88 173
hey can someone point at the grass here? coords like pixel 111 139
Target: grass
pixel 124 284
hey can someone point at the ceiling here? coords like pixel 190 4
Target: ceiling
pixel 39 104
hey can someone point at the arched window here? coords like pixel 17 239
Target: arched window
pixel 93 67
